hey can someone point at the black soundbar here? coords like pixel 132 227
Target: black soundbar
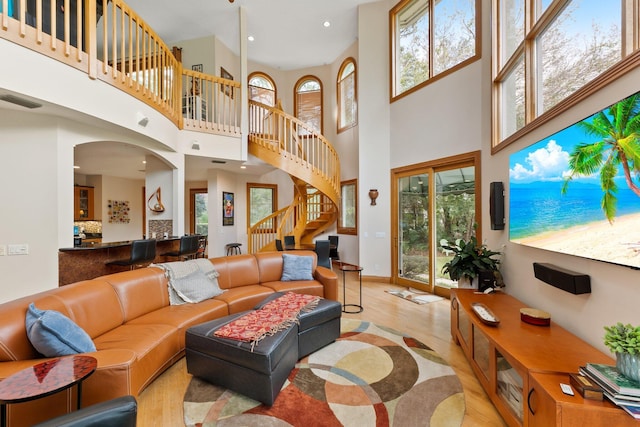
pixel 570 281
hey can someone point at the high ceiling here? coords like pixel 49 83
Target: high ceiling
pixel 289 34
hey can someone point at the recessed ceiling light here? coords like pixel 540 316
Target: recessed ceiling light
pixel 326 24
pixel 250 38
pixel 243 167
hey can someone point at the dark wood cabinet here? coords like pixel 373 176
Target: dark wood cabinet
pixel 83 203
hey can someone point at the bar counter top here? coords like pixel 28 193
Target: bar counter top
pixel 107 245
pixel 89 260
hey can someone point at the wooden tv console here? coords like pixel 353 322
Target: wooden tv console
pixel 521 366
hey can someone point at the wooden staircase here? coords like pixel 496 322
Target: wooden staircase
pixel 313 165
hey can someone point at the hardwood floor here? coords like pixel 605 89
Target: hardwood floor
pixel 161 403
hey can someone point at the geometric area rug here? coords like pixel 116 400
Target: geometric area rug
pixel 370 376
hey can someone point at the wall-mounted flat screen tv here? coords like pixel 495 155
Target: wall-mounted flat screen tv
pixel 578 190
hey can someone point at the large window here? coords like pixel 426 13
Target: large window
pixel 348 219
pixel 430 39
pixel 308 102
pixel 262 201
pixel 347 95
pixel 551 54
pixel 199 213
pixel 434 204
pixel 262 89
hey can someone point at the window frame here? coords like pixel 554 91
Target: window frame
pixel 393 95
pixel 302 80
pixel 340 79
pixel 341 229
pixel 502 67
pixel 192 207
pixel 274 202
pixel 266 77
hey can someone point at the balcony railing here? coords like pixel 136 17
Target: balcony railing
pixel 109 41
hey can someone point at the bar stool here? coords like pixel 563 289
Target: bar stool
pixel 188 248
pixel 233 248
pixel 142 252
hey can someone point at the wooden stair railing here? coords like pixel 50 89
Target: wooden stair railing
pixel 292 146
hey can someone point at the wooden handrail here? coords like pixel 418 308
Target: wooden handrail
pixel 107 40
pixel 291 145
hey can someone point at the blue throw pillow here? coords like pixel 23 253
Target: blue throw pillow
pixel 54 334
pixel 296 267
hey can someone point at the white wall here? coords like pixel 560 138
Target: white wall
pixel 375 138
pixel 29 199
pixel 122 189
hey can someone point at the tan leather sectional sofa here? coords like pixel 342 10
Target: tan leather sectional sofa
pixel 137 333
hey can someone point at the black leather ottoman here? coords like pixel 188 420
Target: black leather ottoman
pixel 258 374
pixel 318 327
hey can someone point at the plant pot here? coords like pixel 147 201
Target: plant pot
pixel 466 282
pixel 628 365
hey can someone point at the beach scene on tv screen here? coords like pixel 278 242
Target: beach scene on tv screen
pixel 578 190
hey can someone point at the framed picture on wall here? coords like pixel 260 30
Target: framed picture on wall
pixel 228 90
pixel 228 211
pixel 197 67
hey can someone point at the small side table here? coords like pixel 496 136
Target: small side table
pixel 43 379
pixel 346 267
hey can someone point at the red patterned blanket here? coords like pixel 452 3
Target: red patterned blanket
pixel 274 316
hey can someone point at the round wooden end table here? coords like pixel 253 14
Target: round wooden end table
pixel 44 379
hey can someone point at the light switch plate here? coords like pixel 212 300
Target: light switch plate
pixel 19 249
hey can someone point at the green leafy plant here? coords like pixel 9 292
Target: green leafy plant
pixel 622 338
pixel 469 259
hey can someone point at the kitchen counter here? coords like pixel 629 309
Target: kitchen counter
pixel 88 260
pixel 107 245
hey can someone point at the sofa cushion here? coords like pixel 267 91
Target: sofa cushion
pixel 54 334
pixel 296 267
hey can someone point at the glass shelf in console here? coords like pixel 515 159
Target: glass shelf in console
pixel 510 386
pixel 481 351
pixel 464 326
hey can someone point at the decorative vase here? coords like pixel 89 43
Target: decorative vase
pixel 628 365
pixel 373 195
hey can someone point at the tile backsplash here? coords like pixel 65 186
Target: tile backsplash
pixel 92 227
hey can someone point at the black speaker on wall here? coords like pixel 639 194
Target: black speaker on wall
pixel 496 205
pixel 570 281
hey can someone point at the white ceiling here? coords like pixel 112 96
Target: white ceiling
pixel 289 34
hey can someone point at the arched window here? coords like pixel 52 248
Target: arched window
pixel 308 102
pixel 262 89
pixel 347 95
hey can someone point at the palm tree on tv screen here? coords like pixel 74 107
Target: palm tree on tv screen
pixel 618 130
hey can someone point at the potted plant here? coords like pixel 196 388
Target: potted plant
pixel 624 342
pixel 469 259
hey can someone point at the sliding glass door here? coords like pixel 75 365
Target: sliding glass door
pixel 435 205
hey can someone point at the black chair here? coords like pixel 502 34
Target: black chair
pixel 118 412
pixel 333 251
pixel 289 242
pixel 188 247
pixel 279 245
pixel 202 246
pixel 322 251
pixel 142 252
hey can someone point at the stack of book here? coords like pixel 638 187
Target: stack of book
pixel 619 389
